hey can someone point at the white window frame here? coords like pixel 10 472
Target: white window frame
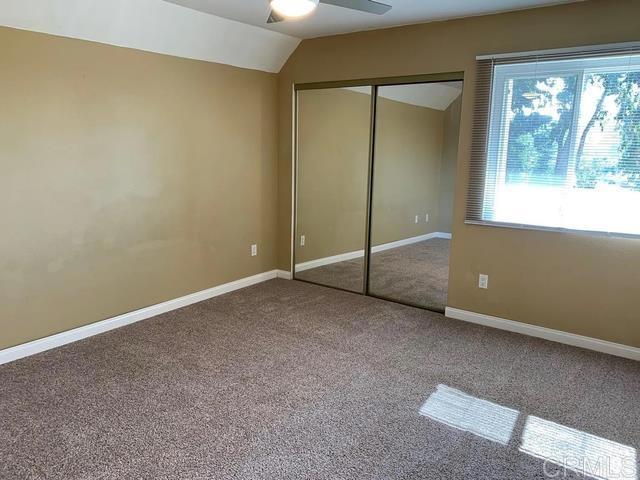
pixel 498 129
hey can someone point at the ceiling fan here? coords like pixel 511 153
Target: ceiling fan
pixel 291 9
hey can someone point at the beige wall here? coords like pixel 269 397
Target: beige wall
pixel 333 157
pixel 408 154
pixel 128 178
pixel 572 282
pixel 447 182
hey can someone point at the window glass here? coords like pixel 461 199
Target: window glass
pixel 564 145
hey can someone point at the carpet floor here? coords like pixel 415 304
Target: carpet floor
pixel 288 380
pixel 417 274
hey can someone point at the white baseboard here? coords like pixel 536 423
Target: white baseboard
pixel 559 336
pixel 283 274
pixel 409 241
pixel 343 257
pixel 63 338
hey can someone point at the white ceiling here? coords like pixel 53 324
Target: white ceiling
pixel 155 26
pixel 330 20
pixel 431 95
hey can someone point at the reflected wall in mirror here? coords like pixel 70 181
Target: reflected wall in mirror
pixel 416 147
pixel 332 178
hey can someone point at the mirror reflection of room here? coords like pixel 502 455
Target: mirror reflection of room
pixel 416 146
pixel 332 176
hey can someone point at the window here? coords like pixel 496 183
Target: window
pixel 557 142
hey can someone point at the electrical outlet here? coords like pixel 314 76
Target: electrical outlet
pixel 426 218
pixel 254 250
pixel 483 281
pixel 417 219
pixel 303 239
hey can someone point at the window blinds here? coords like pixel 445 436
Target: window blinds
pixel 556 140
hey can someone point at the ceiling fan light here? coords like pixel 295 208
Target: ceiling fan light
pixel 294 8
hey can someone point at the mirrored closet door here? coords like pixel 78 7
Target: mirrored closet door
pixel 375 168
pixel 332 182
pixel 416 140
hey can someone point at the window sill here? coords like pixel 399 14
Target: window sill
pixel 539 228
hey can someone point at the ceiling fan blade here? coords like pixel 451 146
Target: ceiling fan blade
pixel 363 5
pixel 274 17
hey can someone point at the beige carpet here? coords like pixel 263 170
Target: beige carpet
pixel 417 274
pixel 288 380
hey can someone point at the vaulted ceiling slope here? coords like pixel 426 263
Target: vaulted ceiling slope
pixel 154 26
